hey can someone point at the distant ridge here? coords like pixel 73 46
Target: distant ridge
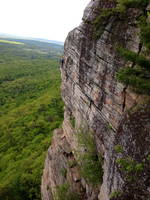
pixel 5 35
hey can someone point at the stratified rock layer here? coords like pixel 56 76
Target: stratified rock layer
pixel 95 99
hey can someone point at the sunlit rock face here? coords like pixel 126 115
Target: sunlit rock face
pixel 97 102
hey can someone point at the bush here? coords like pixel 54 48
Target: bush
pixel 63 192
pixel 90 162
pixel 133 3
pixel 135 58
pixel 145 34
pixel 118 149
pixel 101 20
pixel 72 163
pixel 64 172
pixel 137 78
pixel 115 194
pixel 130 168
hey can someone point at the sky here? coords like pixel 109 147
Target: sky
pixel 49 19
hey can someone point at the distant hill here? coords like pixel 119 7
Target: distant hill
pixel 29 48
pixel 5 35
pixel 49 41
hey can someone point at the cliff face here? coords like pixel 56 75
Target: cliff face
pixel 95 102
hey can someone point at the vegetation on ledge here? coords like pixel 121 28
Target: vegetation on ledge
pixel 119 10
pixel 90 162
pixel 137 76
pixel 63 192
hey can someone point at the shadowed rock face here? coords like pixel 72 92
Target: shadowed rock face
pixel 134 136
pixel 97 102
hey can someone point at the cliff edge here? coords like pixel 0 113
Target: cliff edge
pixel 103 149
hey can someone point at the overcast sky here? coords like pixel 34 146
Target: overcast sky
pixel 49 19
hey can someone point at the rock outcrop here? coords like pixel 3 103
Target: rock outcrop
pixel 95 101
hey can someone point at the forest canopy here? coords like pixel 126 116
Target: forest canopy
pixel 30 109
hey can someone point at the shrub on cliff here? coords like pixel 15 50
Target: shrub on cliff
pixel 90 162
pixel 63 192
pixel 133 3
pixel 119 10
pixel 139 76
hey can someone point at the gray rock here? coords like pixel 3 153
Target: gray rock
pixel 99 103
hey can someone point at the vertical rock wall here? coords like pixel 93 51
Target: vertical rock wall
pixel 97 102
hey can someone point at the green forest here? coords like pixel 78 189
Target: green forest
pixel 30 109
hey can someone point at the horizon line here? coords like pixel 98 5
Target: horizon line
pixel 28 37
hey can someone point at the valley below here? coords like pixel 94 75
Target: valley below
pixel 30 109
